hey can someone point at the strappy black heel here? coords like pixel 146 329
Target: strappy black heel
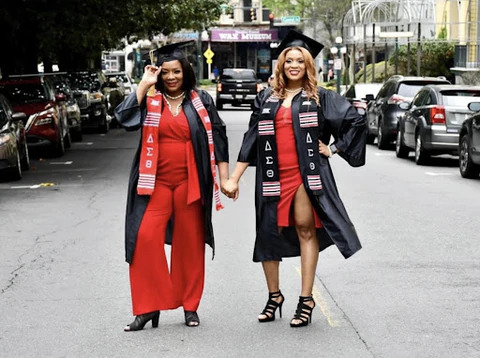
pixel 304 312
pixel 142 320
pixel 271 307
pixel 191 319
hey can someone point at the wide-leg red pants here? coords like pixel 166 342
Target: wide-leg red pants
pixel 153 287
pixel 177 194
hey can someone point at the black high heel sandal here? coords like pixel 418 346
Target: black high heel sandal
pixel 142 320
pixel 271 307
pixel 191 319
pixel 303 313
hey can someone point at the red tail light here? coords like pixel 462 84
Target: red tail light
pixel 396 99
pixel 219 87
pixel 437 115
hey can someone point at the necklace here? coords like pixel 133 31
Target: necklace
pixel 293 90
pixel 176 97
pixel 177 110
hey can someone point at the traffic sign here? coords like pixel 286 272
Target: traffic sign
pixel 209 61
pixel 208 54
pixel 290 19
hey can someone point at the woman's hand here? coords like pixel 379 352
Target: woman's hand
pixel 150 76
pixel 324 149
pixel 230 189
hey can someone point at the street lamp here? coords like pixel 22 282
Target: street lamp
pixel 337 62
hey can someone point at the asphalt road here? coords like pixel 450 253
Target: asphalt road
pixel 412 291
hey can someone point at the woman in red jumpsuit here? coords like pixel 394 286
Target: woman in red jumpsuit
pixel 173 181
pixel 298 209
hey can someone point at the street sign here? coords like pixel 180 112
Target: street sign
pixel 208 54
pixel 209 61
pixel 337 64
pixel 290 19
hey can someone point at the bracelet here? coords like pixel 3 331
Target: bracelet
pixel 329 151
pixel 333 149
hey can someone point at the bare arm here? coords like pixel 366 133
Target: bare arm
pixel 149 79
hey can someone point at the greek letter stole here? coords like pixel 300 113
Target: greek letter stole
pixel 149 151
pixel 306 129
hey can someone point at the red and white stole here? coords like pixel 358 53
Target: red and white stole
pixel 149 152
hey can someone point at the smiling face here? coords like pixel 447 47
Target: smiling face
pixel 172 77
pixel 294 67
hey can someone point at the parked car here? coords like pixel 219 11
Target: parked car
pixel 360 94
pixel 127 82
pixel 47 120
pixel 432 121
pixel 469 144
pixel 237 86
pixel 74 120
pixel 384 110
pixel 14 156
pixel 87 90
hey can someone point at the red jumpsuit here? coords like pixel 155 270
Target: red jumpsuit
pixel 177 194
pixel 290 178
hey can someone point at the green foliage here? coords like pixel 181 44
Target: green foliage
pixel 379 73
pixel 74 32
pixel 436 59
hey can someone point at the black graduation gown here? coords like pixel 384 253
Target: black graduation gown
pixel 337 118
pixel 131 116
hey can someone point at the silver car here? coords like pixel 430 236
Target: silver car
pixel 432 121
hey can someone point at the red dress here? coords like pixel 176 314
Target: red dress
pixel 290 178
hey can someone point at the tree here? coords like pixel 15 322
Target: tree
pixel 437 59
pixel 73 33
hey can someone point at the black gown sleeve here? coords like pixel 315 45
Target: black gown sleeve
pixel 130 114
pixel 219 129
pixel 347 127
pixel 248 150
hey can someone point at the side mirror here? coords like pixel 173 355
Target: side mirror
pixel 404 105
pixel 369 97
pixel 19 116
pixel 474 106
pixel 60 97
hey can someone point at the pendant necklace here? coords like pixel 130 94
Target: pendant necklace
pixel 177 110
pixel 174 97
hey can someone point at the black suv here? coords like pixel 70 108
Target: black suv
pixel 237 86
pixel 383 111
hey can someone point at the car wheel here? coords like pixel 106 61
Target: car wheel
pixel 59 146
pixel 68 140
pixel 400 149
pixel 382 142
pixel 25 161
pixel 421 156
pixel 219 105
pixel 467 168
pixel 370 138
pixel 104 127
pixel 16 171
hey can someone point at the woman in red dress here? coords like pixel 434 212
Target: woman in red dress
pixel 299 211
pixel 172 184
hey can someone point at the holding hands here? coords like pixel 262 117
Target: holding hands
pixel 230 189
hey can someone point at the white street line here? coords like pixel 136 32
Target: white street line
pixel 62 163
pixel 438 174
pixel 83 143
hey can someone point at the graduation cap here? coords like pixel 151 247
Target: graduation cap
pixel 295 38
pixel 170 52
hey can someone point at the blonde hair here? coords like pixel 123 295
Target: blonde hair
pixel 309 80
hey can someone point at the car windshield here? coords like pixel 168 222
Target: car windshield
pixel 19 94
pixel 238 75
pixel 410 89
pixel 460 98
pixel 84 81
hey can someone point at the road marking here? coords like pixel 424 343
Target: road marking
pixel 437 174
pixel 384 154
pixel 36 186
pixel 321 302
pixel 62 163
pixel 84 143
